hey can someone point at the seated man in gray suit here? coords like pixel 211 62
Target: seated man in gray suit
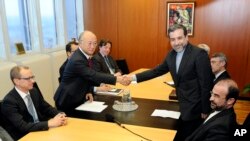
pixel 220 125
pixel 104 61
pixel 24 109
pixel 219 63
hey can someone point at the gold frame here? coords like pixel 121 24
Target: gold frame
pixel 181 13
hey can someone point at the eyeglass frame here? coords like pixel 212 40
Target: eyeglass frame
pixel 28 78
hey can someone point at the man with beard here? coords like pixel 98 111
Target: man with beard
pixel 193 78
pixel 221 123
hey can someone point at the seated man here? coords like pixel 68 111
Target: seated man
pixel 104 61
pixel 219 63
pixel 24 109
pixel 71 47
pixel 205 47
pixel 220 125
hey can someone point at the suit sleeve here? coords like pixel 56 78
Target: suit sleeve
pixel 81 67
pixel 157 71
pixel 11 110
pixel 44 108
pixel 205 78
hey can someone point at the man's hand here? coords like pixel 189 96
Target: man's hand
pixel 118 74
pixel 204 116
pixel 103 88
pixel 124 80
pixel 59 120
pixel 89 97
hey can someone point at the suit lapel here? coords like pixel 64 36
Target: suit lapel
pixel 184 60
pixel 201 128
pixel 221 114
pixel 20 101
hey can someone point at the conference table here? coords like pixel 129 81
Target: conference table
pixel 90 130
pixel 149 95
pixel 152 89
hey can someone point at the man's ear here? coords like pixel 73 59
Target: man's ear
pixel 16 81
pixel 230 101
pixel 68 54
pixel 223 63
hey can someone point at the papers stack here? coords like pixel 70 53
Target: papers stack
pixel 166 113
pixel 94 106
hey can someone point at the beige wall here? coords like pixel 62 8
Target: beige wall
pixel 44 66
pixel 138 30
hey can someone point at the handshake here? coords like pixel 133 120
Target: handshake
pixel 124 79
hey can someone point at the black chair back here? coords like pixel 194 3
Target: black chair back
pixel 122 64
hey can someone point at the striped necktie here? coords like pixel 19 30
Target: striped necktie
pixel 31 109
pixel 112 71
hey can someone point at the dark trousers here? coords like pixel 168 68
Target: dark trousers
pixel 186 128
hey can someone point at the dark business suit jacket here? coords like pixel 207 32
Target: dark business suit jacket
pixel 220 127
pixel 222 76
pixel 78 79
pixel 193 82
pixel 61 70
pixel 18 120
pixel 102 64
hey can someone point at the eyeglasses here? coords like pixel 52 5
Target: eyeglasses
pixel 28 78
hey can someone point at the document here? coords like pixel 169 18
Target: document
pixel 166 113
pixel 94 106
pixel 111 92
pixel 170 83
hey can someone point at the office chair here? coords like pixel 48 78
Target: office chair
pixel 36 86
pixel 4 135
pixel 246 123
pixel 122 64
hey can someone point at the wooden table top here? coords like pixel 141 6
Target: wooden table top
pixel 82 129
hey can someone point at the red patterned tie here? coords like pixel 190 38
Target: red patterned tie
pixel 90 62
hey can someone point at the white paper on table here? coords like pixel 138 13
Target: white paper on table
pixel 94 106
pixel 133 82
pixel 170 82
pixel 166 113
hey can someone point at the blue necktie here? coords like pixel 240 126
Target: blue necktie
pixel 31 109
pixel 109 65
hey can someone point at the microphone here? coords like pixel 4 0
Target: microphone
pixel 111 118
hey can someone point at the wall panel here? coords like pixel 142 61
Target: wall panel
pixel 140 30
pixel 41 68
pixel 5 83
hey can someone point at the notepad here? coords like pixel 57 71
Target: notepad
pixel 111 92
pixel 94 106
pixel 166 113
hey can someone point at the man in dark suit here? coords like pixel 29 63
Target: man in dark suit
pixel 219 63
pixel 24 109
pixel 193 78
pixel 104 61
pixel 79 76
pixel 220 125
pixel 71 47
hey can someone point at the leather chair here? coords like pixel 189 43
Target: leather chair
pixel 36 86
pixel 4 135
pixel 122 64
pixel 246 123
